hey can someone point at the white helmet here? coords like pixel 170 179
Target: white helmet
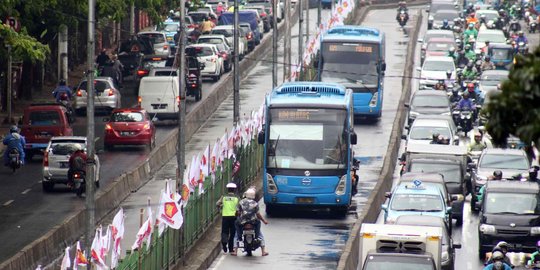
pixel 250 193
pixel 231 185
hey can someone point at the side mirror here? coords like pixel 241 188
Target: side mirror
pixel 261 137
pixel 418 68
pixel 449 210
pixel 387 195
pixel 353 138
pixel 106 119
pixel 384 207
pixel 404 137
pixel 406 105
pixel 407 127
pixel 456 246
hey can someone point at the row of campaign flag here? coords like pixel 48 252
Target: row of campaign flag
pixel 170 208
pixel 339 13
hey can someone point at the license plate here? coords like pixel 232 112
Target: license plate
pixel 126 133
pixel 304 200
pixel 64 164
pixel 43 136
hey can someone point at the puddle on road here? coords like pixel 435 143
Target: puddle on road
pixel 368 160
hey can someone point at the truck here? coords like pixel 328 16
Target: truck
pixel 384 246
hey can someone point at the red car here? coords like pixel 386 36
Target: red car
pixel 129 126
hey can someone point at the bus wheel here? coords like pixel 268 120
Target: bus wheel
pixel 341 211
pixel 270 210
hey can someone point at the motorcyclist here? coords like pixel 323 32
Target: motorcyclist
pixel 521 38
pixel 485 49
pixel 469 73
pixel 445 25
pixel 228 205
pixel 62 91
pixel 470 8
pixel 462 60
pixel 440 85
pixel 248 212
pixel 206 26
pixel 459 44
pixel 513 11
pixel 498 265
pixel 449 81
pixel 455 97
pixel 77 162
pixel 535 256
pixel 477 144
pixel 102 58
pixel 355 179
pixel 398 16
pixel 497 175
pixel 487 64
pixel 501 247
pixel 452 53
pixel 470 32
pixel 465 103
pixel 402 5
pixel 469 53
pixel 472 19
pixel 14 140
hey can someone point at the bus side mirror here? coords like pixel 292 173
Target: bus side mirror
pixel 260 137
pixel 353 138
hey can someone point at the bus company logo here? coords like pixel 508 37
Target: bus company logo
pixel 306 182
pixel 307 173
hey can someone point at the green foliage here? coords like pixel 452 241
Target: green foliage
pixel 516 110
pixel 24 47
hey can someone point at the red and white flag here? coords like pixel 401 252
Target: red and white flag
pixel 105 243
pixel 80 257
pixel 194 173
pixel 214 158
pixel 205 161
pixel 117 234
pixel 223 146
pixel 170 213
pixel 97 259
pixel 185 192
pixel 144 233
pixel 66 260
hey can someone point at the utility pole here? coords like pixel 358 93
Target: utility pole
pixel 287 41
pixel 9 90
pixel 275 38
pixel 181 62
pixel 300 36
pixel 236 79
pixel 319 13
pixel 307 21
pixel 132 20
pixel 63 53
pixel 90 153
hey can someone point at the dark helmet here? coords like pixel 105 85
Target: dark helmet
pixel 497 174
pixel 465 95
pixel 62 82
pixel 445 22
pixel 13 129
pixel 533 174
pixel 435 136
pixel 487 58
pixel 470 65
pixel 441 81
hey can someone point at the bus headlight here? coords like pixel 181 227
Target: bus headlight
pixel 487 229
pixel 271 185
pixel 342 185
pixel 373 101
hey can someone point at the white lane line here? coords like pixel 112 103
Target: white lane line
pixel 26 191
pixel 8 203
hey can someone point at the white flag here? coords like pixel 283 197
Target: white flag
pixel 117 231
pixel 105 243
pixel 170 212
pixel 142 234
pixel 193 173
pixel 205 161
pixel 214 157
pixel 66 261
pixel 80 257
pixel 96 251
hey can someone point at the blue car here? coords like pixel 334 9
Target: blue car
pixel 416 199
pixel 170 28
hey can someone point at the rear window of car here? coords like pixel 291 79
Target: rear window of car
pixel 127 117
pixel 65 148
pixel 99 86
pixel 210 40
pixel 147 64
pixel 205 51
pixel 154 37
pixel 44 118
pixel 225 32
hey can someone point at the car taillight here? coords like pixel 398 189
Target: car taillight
pixel 139 100
pixel 193 85
pixel 263 14
pixel 249 36
pixel 76 175
pixel 79 93
pixel 178 100
pixel 141 73
pixel 46 159
pixel 108 127
pixel 165 47
pixel 192 26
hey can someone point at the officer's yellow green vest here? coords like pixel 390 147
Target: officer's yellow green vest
pixel 229 206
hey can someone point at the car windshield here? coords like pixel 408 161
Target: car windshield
pixel 169 27
pixel 492 37
pixel 210 40
pixel 430 101
pixel 307 139
pixel 44 118
pixel 416 202
pixel 66 148
pixel 500 54
pixel 430 36
pixel 501 161
pixel 99 86
pixel 398 262
pixel 439 46
pixel 155 38
pixel 426 133
pixel 451 172
pixel 355 63
pixel 225 32
pixel 521 204
pixel 436 65
pixel 127 117
pixel 439 16
pixel 493 79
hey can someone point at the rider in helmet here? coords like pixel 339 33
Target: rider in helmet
pixel 470 31
pixel 465 103
pixel 521 38
pixel 533 174
pixel 469 52
pixel 248 212
pixel 469 73
pixel 497 265
pixel 477 144
pixel 77 162
pixel 455 97
pixel 497 175
pixel 487 64
pixel 435 138
pixel 470 8
pixel 62 91
pixel 535 256
pixel 445 25
pixel 452 53
pixel 14 140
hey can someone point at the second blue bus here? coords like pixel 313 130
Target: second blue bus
pixel 354 57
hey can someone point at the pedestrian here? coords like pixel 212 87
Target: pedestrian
pixel 102 59
pixel 228 205
pixel 118 67
pixel 354 178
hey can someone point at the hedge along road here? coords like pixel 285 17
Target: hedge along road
pixel 315 240
pixel 27 212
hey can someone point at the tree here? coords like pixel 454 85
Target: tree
pixel 516 110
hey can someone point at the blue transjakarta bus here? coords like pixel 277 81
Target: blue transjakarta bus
pixel 307 138
pixel 354 56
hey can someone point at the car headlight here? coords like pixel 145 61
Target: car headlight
pixel 445 256
pixel 535 230
pixel 487 229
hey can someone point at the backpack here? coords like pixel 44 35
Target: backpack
pixel 79 164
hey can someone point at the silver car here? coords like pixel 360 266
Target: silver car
pixel 56 160
pixel 106 95
pixel 159 41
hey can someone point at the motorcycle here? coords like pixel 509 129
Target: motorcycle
pixel 464 120
pixel 14 159
pixel 64 101
pixel 532 26
pixel 194 86
pixel 79 182
pixel 402 18
pixel 250 240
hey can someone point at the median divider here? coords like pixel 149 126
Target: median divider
pixel 50 246
pixel 350 258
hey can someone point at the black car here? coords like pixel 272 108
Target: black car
pixel 510 212
pixel 131 51
pixel 428 102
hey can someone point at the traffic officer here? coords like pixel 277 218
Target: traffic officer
pixel 228 204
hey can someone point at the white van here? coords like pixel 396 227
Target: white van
pixel 159 96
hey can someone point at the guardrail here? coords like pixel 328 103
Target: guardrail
pixel 199 214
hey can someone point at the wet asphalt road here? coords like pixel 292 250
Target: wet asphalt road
pixel 27 213
pixel 306 240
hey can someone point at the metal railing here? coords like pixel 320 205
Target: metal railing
pixel 199 214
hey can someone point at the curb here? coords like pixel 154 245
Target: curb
pixel 350 257
pixel 50 246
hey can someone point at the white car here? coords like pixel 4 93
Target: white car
pixel 435 33
pixel 228 32
pixel 494 36
pixel 208 54
pixel 56 160
pixel 107 96
pixel 434 69
pixel 423 128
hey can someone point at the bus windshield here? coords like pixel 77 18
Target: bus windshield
pixel 307 138
pixel 350 63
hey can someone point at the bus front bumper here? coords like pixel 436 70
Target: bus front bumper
pixel 307 200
